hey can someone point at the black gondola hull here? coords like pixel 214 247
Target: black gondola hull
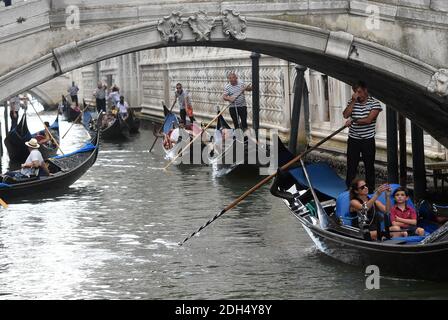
pixel 71 114
pixel 53 184
pixel 116 131
pixel 427 261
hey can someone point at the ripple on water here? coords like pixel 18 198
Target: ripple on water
pixel 115 235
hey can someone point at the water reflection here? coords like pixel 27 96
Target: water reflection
pixel 115 234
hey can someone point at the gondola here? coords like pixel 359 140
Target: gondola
pixel 170 128
pixel 316 196
pixel 51 150
pixel 117 130
pixel 71 114
pixel 65 171
pixel 132 122
pixel 233 153
pixel 16 138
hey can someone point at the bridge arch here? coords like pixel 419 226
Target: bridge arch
pixel 412 87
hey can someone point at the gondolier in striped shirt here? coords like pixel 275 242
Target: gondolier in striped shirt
pixel 237 109
pixel 73 91
pixel 363 110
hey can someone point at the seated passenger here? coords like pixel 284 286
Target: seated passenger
pixel 46 138
pixel 76 107
pixel 362 206
pixel 33 163
pixel 167 142
pixel 404 217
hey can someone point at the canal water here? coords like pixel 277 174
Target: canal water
pixel 115 234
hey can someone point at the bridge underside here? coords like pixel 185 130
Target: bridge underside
pixel 400 81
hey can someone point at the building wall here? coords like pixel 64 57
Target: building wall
pixel 149 77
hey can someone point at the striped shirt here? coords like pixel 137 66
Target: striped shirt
pixel 235 90
pixel 73 90
pixel 361 111
pixel 183 99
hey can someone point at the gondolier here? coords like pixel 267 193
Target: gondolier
pixel 183 99
pixel 73 91
pixel 363 110
pixel 238 108
pixel 100 97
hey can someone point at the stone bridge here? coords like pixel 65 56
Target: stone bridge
pixel 400 47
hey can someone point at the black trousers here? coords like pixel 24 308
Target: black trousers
pixel 101 105
pixel 183 116
pixel 239 116
pixel 14 120
pixel 75 99
pixel 356 148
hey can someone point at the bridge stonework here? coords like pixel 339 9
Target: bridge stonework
pixel 400 47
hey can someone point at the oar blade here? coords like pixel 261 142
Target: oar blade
pixel 4 204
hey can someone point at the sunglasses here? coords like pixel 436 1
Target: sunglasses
pixel 362 187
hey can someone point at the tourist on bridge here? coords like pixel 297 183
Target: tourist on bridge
pixel 363 110
pixel 122 108
pixel 183 99
pixel 100 96
pixel 73 91
pixel 234 93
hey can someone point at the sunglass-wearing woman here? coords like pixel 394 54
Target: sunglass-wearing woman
pixel 364 207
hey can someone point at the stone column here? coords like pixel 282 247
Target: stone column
pixel 255 92
pixel 392 146
pixel 318 97
pixel 295 118
pixel 338 98
pixel 418 162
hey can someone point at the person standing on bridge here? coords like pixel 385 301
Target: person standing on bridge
pixel 363 110
pixel 100 96
pixel 238 108
pixel 73 90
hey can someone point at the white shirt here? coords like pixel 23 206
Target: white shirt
pixel 174 136
pixel 122 108
pixel 35 155
pixel 115 97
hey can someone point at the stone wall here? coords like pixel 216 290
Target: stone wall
pixel 148 77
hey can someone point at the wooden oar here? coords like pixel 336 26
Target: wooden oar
pixel 3 203
pixel 46 129
pixel 77 118
pixel 161 129
pixel 195 138
pixel 260 184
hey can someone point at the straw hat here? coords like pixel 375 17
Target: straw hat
pixel 33 144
